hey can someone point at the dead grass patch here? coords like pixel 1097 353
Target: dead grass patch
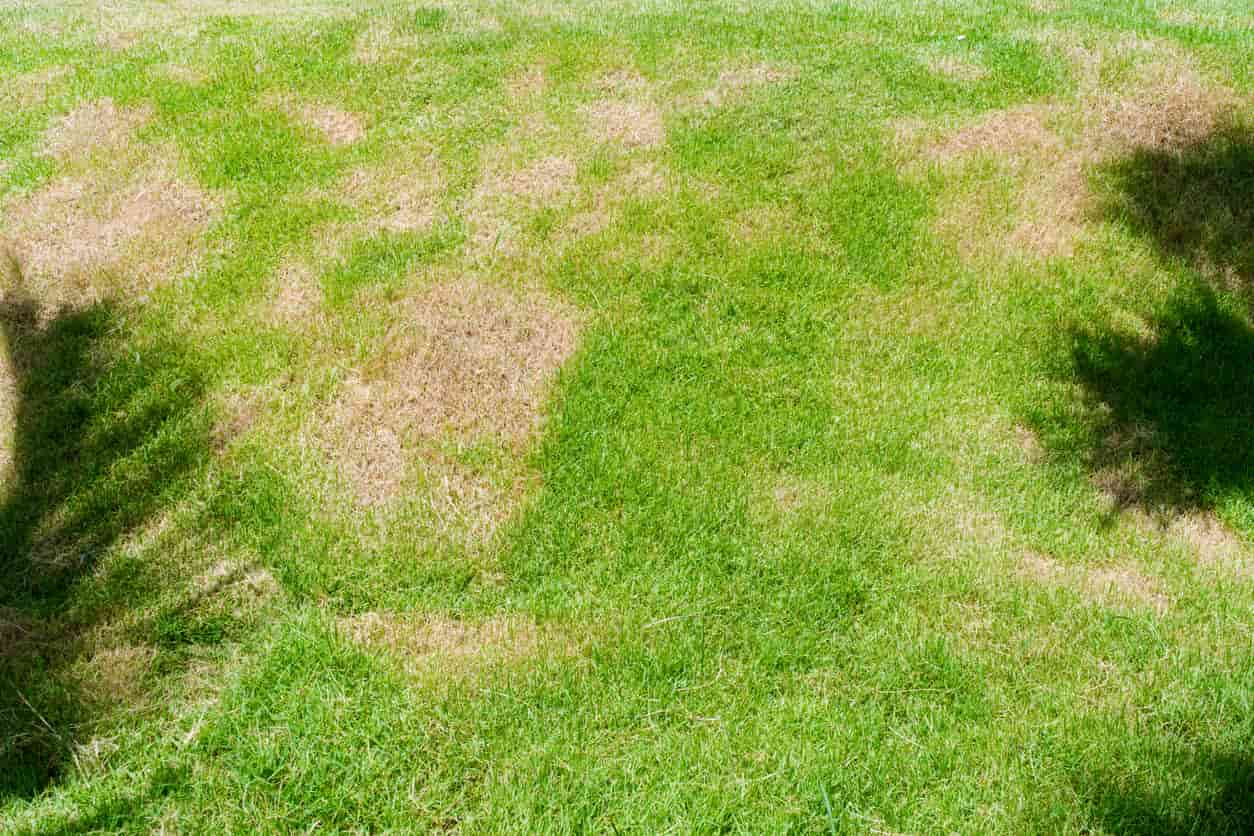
pixel 179 73
pixel 235 587
pixel 643 180
pixel 1113 586
pixel 633 124
pixel 115 676
pixel 955 68
pixel 119 232
pixel 467 359
pixel 376 43
pixel 527 84
pixel 296 297
pixel 490 209
pixel 95 128
pixel 395 198
pixel 735 83
pixel 540 182
pixel 238 412
pixel 423 643
pixel 1021 132
pixel 1030 445
pixel 1048 148
pixel 475 358
pixel 31 89
pixel 338 127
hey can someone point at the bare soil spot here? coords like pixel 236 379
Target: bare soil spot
pixel 95 128
pixel 634 124
pixel 120 232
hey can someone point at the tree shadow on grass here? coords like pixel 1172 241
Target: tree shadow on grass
pixel 1219 798
pixel 1169 420
pixel 106 433
pixel 1167 427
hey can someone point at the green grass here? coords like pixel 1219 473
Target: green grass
pixel 824 525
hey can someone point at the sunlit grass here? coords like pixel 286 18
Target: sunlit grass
pixel 860 505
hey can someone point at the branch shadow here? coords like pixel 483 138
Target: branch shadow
pixel 1168 423
pixel 1219 798
pixel 106 432
pixel 1166 427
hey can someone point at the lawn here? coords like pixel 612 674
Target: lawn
pixel 610 416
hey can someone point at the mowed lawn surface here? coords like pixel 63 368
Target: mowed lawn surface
pixel 627 416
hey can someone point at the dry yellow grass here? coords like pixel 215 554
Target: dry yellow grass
pixel 107 234
pixel 424 644
pixel 1048 147
pixel 468 360
pixel 1112 586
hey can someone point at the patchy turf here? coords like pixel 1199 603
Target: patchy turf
pixel 622 417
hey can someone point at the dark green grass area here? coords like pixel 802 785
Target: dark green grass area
pixel 830 525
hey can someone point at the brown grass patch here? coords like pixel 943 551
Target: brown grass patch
pixel 396 198
pixel 489 211
pixel 643 180
pixel 377 42
pixel 423 643
pixel 1030 445
pixel 179 73
pixel 1049 148
pixel 958 69
pixel 732 84
pixel 120 232
pixel 338 127
pixel 1213 542
pixel 540 182
pixel 238 412
pixel 95 128
pixel 238 588
pixel 475 358
pixel 115 676
pixel 527 84
pixel 297 296
pixel 467 359
pixel 32 88
pixel 634 124
pixel 1113 586
pixel 1022 132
